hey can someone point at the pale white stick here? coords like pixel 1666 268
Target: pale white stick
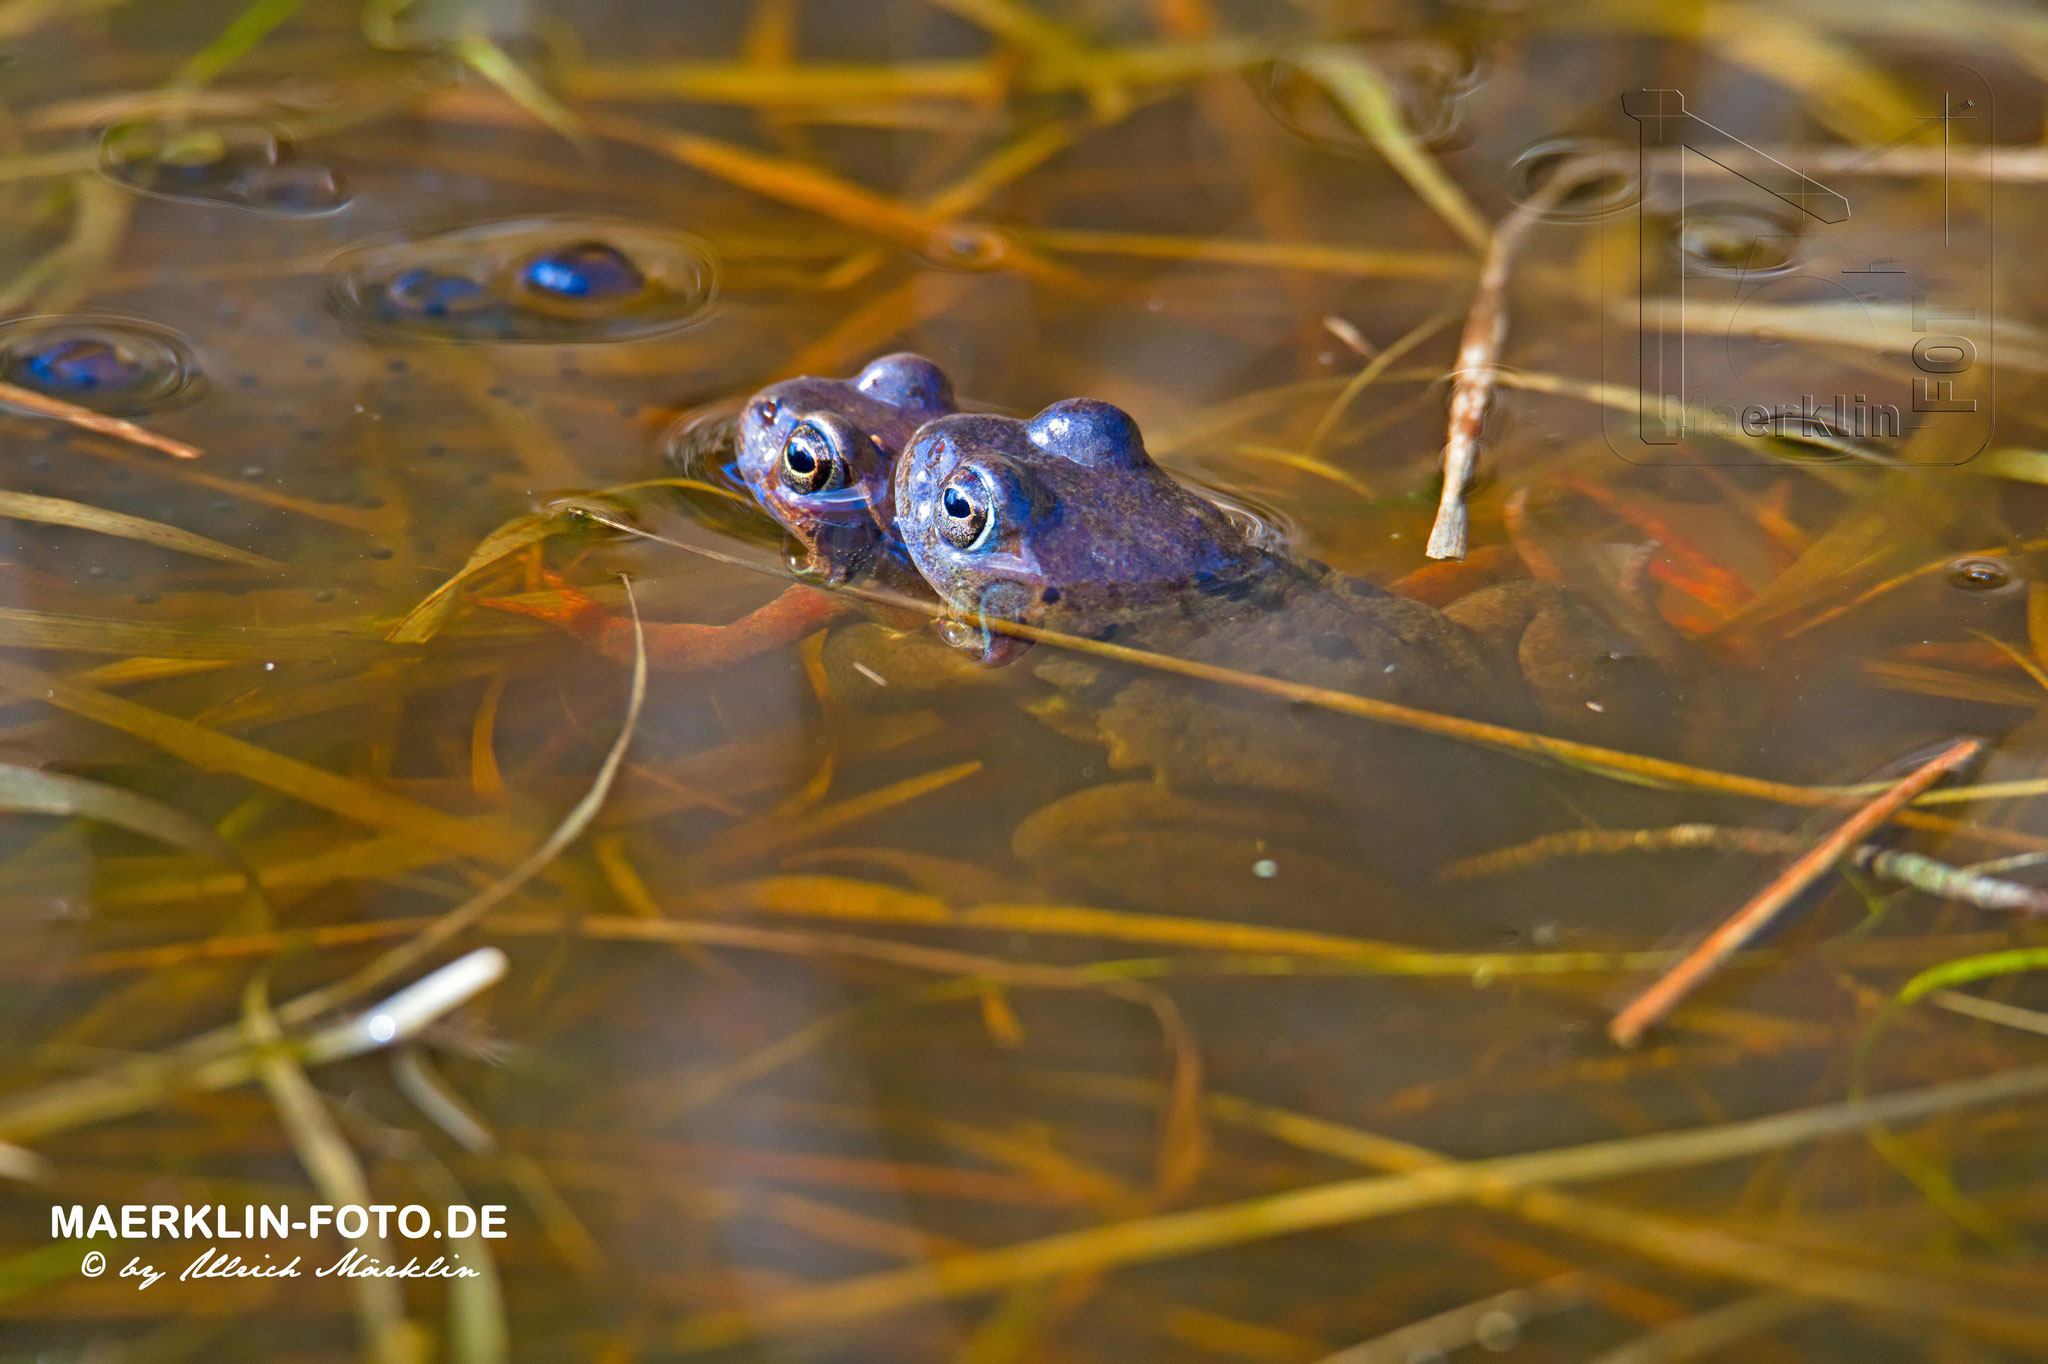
pixel 1486 330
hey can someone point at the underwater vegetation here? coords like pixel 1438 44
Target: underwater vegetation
pixel 431 778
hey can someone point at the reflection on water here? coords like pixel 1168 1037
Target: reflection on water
pixel 880 1005
pixel 246 165
pixel 108 364
pixel 558 280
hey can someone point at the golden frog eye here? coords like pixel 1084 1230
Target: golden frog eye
pixel 965 519
pixel 812 461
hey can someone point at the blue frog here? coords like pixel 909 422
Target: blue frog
pixel 820 456
pixel 1065 523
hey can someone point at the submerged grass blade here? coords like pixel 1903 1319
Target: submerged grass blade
pixel 241 37
pixel 1372 370
pixel 56 511
pixel 222 1059
pixel 813 190
pixel 1930 1179
pixel 84 418
pixel 218 752
pixel 32 790
pixel 517 84
pixel 784 828
pixel 829 897
pixel 332 1166
pixel 1711 1332
pixel 1305 257
pixel 1371 103
pixel 425 621
pixel 404 957
pixel 1346 1202
pixel 1501 1315
pixel 417 1079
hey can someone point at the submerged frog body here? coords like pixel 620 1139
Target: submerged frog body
pixel 1065 523
pixel 820 455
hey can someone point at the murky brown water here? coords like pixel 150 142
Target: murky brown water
pixel 870 1016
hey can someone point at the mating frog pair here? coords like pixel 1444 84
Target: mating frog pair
pixel 1064 522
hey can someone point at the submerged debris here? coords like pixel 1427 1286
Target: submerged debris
pixel 1757 916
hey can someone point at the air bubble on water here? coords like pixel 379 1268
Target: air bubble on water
pixel 1604 181
pixel 1735 241
pixel 1429 77
pixel 968 246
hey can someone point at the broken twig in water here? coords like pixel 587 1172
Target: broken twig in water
pixel 1486 330
pixel 1762 911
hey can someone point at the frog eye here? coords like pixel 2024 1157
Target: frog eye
pixel 965 520
pixel 812 461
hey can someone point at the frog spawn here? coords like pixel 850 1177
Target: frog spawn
pixel 244 165
pixel 549 280
pixel 117 366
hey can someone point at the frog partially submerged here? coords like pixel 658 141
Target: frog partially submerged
pixel 820 455
pixel 1065 522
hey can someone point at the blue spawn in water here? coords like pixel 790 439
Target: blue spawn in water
pixel 591 271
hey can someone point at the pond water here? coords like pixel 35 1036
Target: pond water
pixel 835 997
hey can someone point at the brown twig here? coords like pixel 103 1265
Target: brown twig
pixel 27 399
pixel 1746 923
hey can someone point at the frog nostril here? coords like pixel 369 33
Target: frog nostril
pixel 108 364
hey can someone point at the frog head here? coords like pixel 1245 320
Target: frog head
pixel 1062 521
pixel 820 455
